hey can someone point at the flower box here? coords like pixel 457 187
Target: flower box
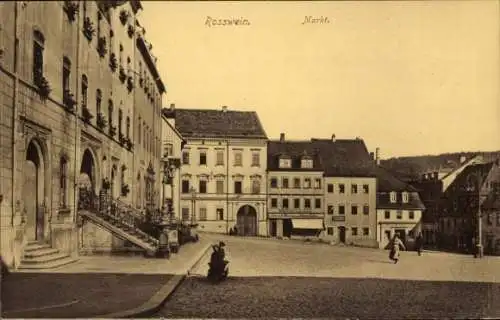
pixel 88 28
pixel 124 15
pixel 86 115
pixel 69 100
pixel 123 74
pixel 71 9
pixel 101 47
pixel 113 63
pixel 43 87
pixel 101 121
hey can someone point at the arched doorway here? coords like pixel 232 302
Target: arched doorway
pixel 246 221
pixel 34 191
pixel 87 181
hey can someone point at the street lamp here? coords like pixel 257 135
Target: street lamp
pixel 169 167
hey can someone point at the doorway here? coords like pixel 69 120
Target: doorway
pixel 246 221
pixel 33 192
pixel 342 234
pixel 273 228
pixel 401 234
pixel 287 228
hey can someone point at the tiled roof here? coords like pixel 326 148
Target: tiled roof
pixel 414 201
pixel 217 123
pixel 386 182
pixel 482 169
pixel 294 150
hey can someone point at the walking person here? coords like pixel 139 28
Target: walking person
pixel 419 243
pixel 396 245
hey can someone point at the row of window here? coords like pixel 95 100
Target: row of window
pixel 202 214
pixel 354 231
pixel 305 163
pixel 219 187
pixel 297 183
pixel 399 215
pixel 354 209
pixel 219 158
pixel 285 203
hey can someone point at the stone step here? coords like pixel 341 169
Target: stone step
pixel 48 265
pixel 40 252
pixel 36 246
pixel 43 259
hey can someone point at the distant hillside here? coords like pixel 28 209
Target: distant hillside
pixel 411 168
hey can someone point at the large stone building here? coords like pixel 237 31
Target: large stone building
pixel 223 170
pixel 79 117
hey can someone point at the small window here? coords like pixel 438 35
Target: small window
pixel 354 209
pixel 307 203
pixel 63 187
pixel 317 203
pixel 255 186
pixel 38 47
pixel 285 162
pixel 274 183
pixel 399 214
pixel 238 159
pixel 185 214
pixel 203 186
pixel 284 183
pixel 285 203
pixel 354 188
pixel 237 187
pixel 411 215
pixel 330 209
pixel 307 183
pixel 354 231
pixel 366 231
pixel 296 204
pixel 185 157
pixel 168 150
pixel 256 159
pixel 219 158
pixel 341 209
pixel 330 188
pixel 341 188
pixel 306 163
pixel 128 127
pixel 220 213
pixel 317 183
pixel 405 197
pixel 85 87
pixel 296 183
pixel 366 210
pixel 393 197
pixel 387 214
pixel 219 184
pixel 203 214
pixel 203 158
pixel 66 76
pixel 366 188
pixel 330 231
pixel 274 203
pixel 185 186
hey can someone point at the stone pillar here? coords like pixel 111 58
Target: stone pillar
pixel 279 228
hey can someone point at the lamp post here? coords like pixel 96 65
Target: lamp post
pixel 479 245
pixel 169 167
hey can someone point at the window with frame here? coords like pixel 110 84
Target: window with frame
pixel 330 188
pixel 330 231
pixel 256 159
pixel 354 188
pixel 219 212
pixel 85 88
pixel 284 183
pixel 128 127
pixel 393 197
pixel 307 183
pixel 185 157
pixel 185 186
pixel 203 158
pixel 296 183
pixel 399 214
pixel 120 120
pixel 38 48
pixel 330 209
pixel 285 162
pixel 405 197
pixel 366 231
pixel 307 203
pixel 317 183
pixel 317 203
pixel 238 187
pixel 219 158
pixel 203 214
pixel 354 209
pixel 354 231
pixel 387 214
pixel 296 203
pixel 238 159
pixel 306 163
pixel 219 186
pixel 110 114
pixel 284 203
pixel 366 210
pixel 274 182
pixel 63 184
pixel 411 215
pixel 66 76
pixel 366 188
pixel 341 188
pixel 185 214
pixel 255 186
pixel 341 209
pixel 274 203
pixel 203 186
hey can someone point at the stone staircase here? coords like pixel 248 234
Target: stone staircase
pixel 39 255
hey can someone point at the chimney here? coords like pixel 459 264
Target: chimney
pixel 372 155
pixel 462 159
pixel 282 137
pixel 172 106
pixel 377 156
pixel 333 137
pixel 224 108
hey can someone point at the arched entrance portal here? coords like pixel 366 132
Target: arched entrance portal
pixel 87 182
pixel 33 191
pixel 246 221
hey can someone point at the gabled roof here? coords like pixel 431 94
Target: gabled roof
pixel 482 170
pixel 386 182
pixel 414 201
pixel 209 123
pixel 295 150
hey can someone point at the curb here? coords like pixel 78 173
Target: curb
pixel 161 296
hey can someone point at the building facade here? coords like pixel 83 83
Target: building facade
pixel 66 110
pixel 295 189
pixel 399 210
pixel 223 171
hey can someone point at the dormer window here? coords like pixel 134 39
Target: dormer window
pixel 285 162
pixel 405 197
pixel 306 162
pixel 393 197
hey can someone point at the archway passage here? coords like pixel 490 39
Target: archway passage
pixel 33 192
pixel 246 221
pixel 86 181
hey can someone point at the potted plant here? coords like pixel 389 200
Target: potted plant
pixel 123 74
pixel 130 30
pixel 88 28
pixel 130 84
pixel 101 121
pixel 86 115
pixel 124 15
pixel 71 8
pixel 101 47
pixel 129 144
pixel 68 100
pixel 125 189
pixel 113 63
pixel 106 184
pixel 43 87
pixel 121 138
pixel 112 130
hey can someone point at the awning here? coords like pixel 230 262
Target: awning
pixel 307 223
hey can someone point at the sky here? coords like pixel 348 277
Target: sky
pixel 408 77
